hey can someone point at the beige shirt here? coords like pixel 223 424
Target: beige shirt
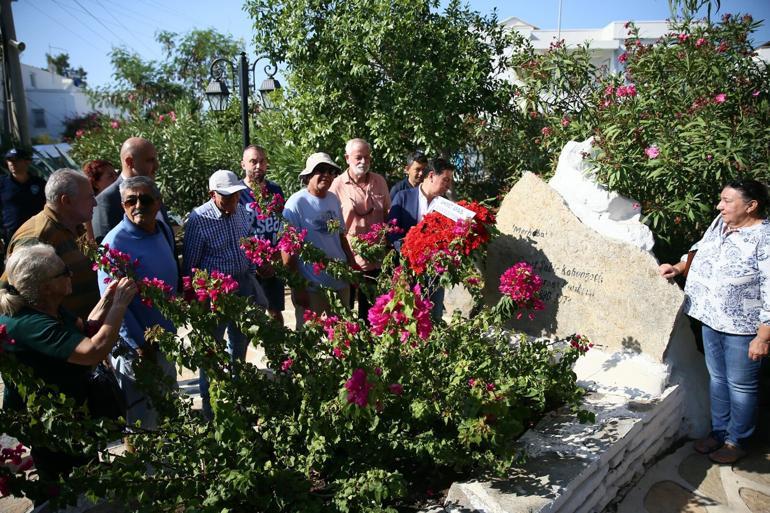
pixel 363 204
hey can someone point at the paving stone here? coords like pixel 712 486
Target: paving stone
pixel 698 470
pixel 757 502
pixel 15 505
pixel 756 467
pixel 669 497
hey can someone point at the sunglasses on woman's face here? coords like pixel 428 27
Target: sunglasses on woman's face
pixel 144 199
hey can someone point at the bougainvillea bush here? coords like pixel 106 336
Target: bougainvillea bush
pixel 351 415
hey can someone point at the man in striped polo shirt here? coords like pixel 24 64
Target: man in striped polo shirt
pixel 69 202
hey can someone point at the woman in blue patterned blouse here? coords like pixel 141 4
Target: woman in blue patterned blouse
pixel 728 290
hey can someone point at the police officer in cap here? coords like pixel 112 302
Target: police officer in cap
pixel 22 194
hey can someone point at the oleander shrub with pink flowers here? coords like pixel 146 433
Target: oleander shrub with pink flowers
pixel 691 112
pixel 349 414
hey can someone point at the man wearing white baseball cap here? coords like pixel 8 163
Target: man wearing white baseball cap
pixel 212 240
pixel 313 208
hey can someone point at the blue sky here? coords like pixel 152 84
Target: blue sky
pixel 88 29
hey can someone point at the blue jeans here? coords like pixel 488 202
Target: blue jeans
pixel 237 344
pixel 733 386
pixel 139 405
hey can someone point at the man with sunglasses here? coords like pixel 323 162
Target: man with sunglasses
pixel 365 201
pixel 22 194
pixel 314 209
pixel 149 240
pixel 212 241
pixel 138 157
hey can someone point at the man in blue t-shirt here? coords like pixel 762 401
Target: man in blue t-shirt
pixel 264 225
pixel 312 208
pixel 22 195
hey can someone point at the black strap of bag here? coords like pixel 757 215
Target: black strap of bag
pixel 105 398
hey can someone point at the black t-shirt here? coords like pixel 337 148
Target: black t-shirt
pixel 19 202
pixel 44 344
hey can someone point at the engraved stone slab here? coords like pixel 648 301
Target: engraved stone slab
pixel 608 290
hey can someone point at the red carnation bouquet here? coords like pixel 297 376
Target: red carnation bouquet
pixel 439 246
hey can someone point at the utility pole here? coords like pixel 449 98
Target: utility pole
pixel 13 85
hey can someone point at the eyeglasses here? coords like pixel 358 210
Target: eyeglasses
pixel 144 199
pixel 65 272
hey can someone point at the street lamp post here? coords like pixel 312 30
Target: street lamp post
pixel 218 93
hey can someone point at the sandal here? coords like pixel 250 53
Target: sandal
pixel 707 445
pixel 727 454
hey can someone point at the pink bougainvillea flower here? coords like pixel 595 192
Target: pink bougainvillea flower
pixel 291 240
pixel 520 283
pixel 720 98
pixel 700 42
pixel 396 388
pixel 358 388
pixel 623 57
pixel 652 152
pixel 286 364
pixel 114 124
pixel 565 121
pixel 755 93
pixel 80 133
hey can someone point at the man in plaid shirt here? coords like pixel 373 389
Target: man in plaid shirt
pixel 212 242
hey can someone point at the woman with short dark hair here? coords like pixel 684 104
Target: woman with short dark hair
pixel 101 174
pixel 728 290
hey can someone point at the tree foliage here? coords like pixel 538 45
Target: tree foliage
pixel 398 73
pixel 191 146
pixel 144 86
pixel 61 65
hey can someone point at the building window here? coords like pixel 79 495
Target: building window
pixel 32 81
pixel 38 118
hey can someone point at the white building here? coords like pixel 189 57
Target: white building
pixel 605 44
pixel 51 100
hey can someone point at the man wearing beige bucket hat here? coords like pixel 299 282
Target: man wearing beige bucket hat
pixel 317 210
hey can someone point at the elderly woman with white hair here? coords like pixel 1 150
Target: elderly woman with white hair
pixel 52 341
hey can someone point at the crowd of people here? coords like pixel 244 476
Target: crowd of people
pixel 65 316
